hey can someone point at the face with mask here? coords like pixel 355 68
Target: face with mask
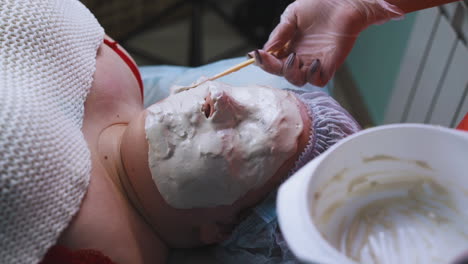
pixel 198 161
pixel 197 158
pixel 210 145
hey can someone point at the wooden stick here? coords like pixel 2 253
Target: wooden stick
pixel 230 70
pixel 233 69
pixel 219 75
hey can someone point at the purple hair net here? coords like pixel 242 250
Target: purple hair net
pixel 330 123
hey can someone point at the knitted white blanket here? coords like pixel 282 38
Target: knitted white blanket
pixel 47 61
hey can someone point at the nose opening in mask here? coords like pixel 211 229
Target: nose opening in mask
pixel 208 107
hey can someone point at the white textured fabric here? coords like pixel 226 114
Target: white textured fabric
pixel 47 61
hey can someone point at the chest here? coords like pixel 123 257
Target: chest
pixel 106 222
pixel 115 89
pixel 115 96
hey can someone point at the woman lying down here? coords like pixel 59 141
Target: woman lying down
pixel 89 173
pixel 186 168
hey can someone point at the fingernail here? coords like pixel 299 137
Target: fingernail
pixel 250 55
pixel 290 60
pixel 315 65
pixel 312 70
pixel 258 58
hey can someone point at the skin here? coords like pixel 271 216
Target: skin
pixel 123 215
pixel 316 36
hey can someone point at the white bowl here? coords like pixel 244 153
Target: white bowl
pixel 390 194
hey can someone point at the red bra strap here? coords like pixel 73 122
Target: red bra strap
pixel 133 67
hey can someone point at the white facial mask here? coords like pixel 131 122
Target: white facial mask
pixel 198 159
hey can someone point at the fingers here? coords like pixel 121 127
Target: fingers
pixel 330 61
pixel 284 31
pixel 313 72
pixel 293 71
pixel 323 73
pixel 280 36
pixel 268 62
pixel 292 68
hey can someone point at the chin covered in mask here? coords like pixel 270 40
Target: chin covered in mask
pixel 198 160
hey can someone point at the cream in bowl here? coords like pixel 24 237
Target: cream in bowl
pixel 393 194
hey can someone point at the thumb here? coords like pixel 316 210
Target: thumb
pixel 284 31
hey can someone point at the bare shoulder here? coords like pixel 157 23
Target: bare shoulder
pixel 115 95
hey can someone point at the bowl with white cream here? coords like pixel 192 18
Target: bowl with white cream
pixel 390 194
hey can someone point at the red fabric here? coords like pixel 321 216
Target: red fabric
pixel 464 123
pixel 133 67
pixel 62 255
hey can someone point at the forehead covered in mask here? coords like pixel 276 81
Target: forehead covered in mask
pixel 210 145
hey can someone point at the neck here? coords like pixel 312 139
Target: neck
pixel 106 220
pixel 109 150
pixel 110 147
